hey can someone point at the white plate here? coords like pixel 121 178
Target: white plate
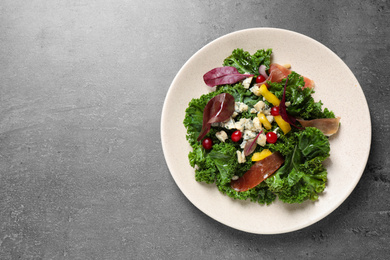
pixel 336 87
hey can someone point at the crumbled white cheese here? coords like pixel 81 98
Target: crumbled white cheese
pixel 270 118
pixel 240 157
pixel 222 136
pixel 249 125
pixel 240 107
pixel 234 114
pixel 247 82
pixel 259 106
pixel 255 90
pixel 288 103
pixel 230 124
pixel 253 110
pixel 243 124
pixel 262 140
pixel 267 111
pixel 240 125
pixel 248 134
pixel 257 125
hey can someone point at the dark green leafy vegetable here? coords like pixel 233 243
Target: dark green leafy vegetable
pixel 282 109
pixel 302 102
pixel 302 176
pixel 246 63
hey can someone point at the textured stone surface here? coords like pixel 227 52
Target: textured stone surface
pixel 82 84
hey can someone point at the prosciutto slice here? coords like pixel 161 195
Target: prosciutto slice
pixel 328 126
pixel 218 109
pixel 278 72
pixel 260 171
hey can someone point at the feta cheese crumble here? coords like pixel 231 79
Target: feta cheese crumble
pixel 255 90
pixel 241 157
pixel 261 140
pixel 247 82
pixel 222 136
pixel 240 107
pixel 259 106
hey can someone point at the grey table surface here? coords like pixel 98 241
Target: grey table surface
pixel 82 86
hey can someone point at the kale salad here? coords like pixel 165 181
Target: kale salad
pixel 260 135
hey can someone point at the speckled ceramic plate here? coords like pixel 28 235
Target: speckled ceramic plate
pixel 336 87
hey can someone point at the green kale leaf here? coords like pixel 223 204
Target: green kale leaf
pixel 301 99
pixel 303 175
pixel 247 63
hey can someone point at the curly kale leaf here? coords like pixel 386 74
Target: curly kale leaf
pixel 216 165
pixel 247 63
pixel 222 155
pixel 193 120
pixel 260 194
pixel 302 101
pixel 303 175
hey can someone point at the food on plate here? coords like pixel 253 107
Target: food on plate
pixel 328 126
pixel 279 72
pixel 258 172
pixel 259 134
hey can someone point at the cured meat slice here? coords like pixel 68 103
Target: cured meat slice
pixel 260 171
pixel 328 126
pixel 278 72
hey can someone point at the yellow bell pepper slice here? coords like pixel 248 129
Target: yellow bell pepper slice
pixel 282 124
pixel 264 121
pixel 261 155
pixel 268 95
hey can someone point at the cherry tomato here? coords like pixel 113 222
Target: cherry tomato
pixel 207 143
pixel 275 111
pixel 236 136
pixel 271 137
pixel 260 79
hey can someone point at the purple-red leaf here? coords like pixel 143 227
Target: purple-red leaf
pixel 283 111
pixel 218 109
pixel 250 146
pixel 223 75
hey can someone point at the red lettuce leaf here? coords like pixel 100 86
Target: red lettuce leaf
pixel 223 75
pixel 218 109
